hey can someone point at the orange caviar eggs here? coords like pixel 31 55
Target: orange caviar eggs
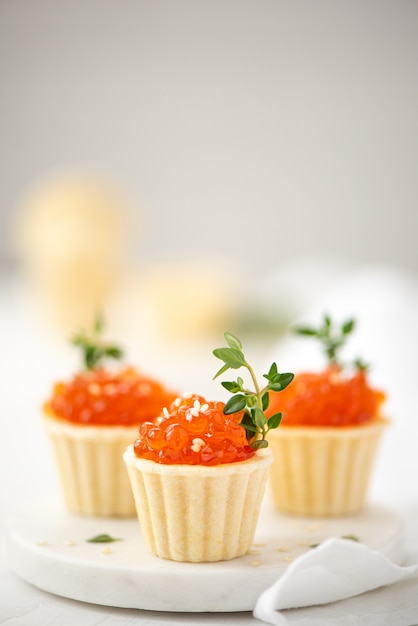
pixel 327 398
pixel 102 397
pixel 194 431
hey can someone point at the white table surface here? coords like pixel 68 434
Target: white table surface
pixel 33 356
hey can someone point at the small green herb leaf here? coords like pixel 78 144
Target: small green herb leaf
pixel 351 537
pixel 265 401
pixel 233 387
pixel 274 421
pixel 286 379
pixel 272 372
pixel 235 404
pixel 247 422
pixel 260 419
pixel 223 369
pixel 231 357
pixel 259 443
pixel 113 352
pixel 233 342
pixel 104 538
pixel 251 401
pixel 348 327
pixel 360 365
pixel 302 330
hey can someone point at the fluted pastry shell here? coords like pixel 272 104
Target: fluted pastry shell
pixel 323 471
pixel 90 467
pixel 198 513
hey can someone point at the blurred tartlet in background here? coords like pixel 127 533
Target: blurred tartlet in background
pixel 91 419
pixel 77 240
pixel 73 242
pixel 332 422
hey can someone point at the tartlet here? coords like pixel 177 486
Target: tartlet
pixel 325 450
pixel 197 498
pixel 197 479
pixel 91 419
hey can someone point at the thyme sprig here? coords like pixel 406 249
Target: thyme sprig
pixel 332 339
pixel 94 349
pixel 254 402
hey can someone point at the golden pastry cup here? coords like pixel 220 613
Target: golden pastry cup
pixel 91 471
pixel 323 471
pixel 198 513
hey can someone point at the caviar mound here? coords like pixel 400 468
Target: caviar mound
pixel 328 399
pixel 194 431
pixel 106 398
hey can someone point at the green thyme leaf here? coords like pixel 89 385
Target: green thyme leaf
pixel 260 419
pixel 303 330
pixel 247 422
pixel 274 421
pixel 285 379
pixel 223 369
pixel 348 327
pixel 265 401
pixel 113 351
pixel 235 404
pixel 360 365
pixel 104 538
pixel 272 372
pixel 351 537
pixel 259 443
pixel 251 400
pixel 233 387
pixel 233 342
pixel 231 357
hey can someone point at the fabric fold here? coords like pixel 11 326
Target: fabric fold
pixel 335 570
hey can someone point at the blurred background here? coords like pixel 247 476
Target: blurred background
pixel 195 166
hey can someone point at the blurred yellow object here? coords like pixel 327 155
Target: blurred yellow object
pixel 72 239
pixel 189 299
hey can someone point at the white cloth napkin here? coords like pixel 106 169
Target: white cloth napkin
pixel 338 571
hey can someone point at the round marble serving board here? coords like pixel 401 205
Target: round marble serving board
pixel 48 549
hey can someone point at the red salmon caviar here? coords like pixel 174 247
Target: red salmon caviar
pixel 327 398
pixel 102 397
pixel 194 431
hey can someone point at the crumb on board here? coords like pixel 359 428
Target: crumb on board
pixel 313 528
